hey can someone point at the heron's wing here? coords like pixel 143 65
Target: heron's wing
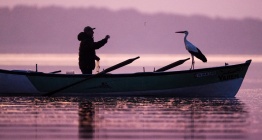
pixel 190 47
pixel 199 55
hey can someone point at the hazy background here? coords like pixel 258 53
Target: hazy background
pixel 148 26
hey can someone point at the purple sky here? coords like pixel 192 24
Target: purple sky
pixel 238 9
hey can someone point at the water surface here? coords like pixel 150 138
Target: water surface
pixel 131 117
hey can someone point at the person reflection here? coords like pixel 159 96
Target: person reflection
pixel 86 115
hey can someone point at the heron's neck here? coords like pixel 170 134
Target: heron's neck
pixel 185 37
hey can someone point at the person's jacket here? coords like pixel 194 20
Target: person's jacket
pixel 87 54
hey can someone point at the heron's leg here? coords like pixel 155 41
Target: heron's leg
pixel 193 62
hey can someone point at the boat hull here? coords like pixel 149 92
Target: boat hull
pixel 222 81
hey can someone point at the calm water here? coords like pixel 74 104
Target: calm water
pixel 132 117
pixel 136 117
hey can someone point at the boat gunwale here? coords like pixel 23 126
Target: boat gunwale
pixel 136 74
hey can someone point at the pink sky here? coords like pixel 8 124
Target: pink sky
pixel 213 8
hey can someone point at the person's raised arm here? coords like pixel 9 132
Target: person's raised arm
pixel 102 42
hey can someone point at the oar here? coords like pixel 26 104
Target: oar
pixel 167 67
pixel 119 65
pixel 54 72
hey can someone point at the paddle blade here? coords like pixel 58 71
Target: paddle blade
pixel 172 65
pixel 119 65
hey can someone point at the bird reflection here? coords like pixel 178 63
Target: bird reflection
pixel 216 119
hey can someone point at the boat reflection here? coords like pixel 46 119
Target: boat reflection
pixel 163 118
pixel 122 118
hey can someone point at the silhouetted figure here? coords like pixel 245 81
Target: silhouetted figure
pixel 87 54
pixel 82 36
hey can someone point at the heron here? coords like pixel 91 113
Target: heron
pixel 193 50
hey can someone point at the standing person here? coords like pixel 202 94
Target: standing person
pixel 87 53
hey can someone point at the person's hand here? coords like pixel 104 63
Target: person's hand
pixel 107 37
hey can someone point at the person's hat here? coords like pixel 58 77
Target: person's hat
pixel 88 28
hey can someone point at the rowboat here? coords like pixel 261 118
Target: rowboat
pixel 221 81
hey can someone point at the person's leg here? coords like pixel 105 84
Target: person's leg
pixel 86 71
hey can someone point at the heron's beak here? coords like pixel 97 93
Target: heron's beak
pixel 180 32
